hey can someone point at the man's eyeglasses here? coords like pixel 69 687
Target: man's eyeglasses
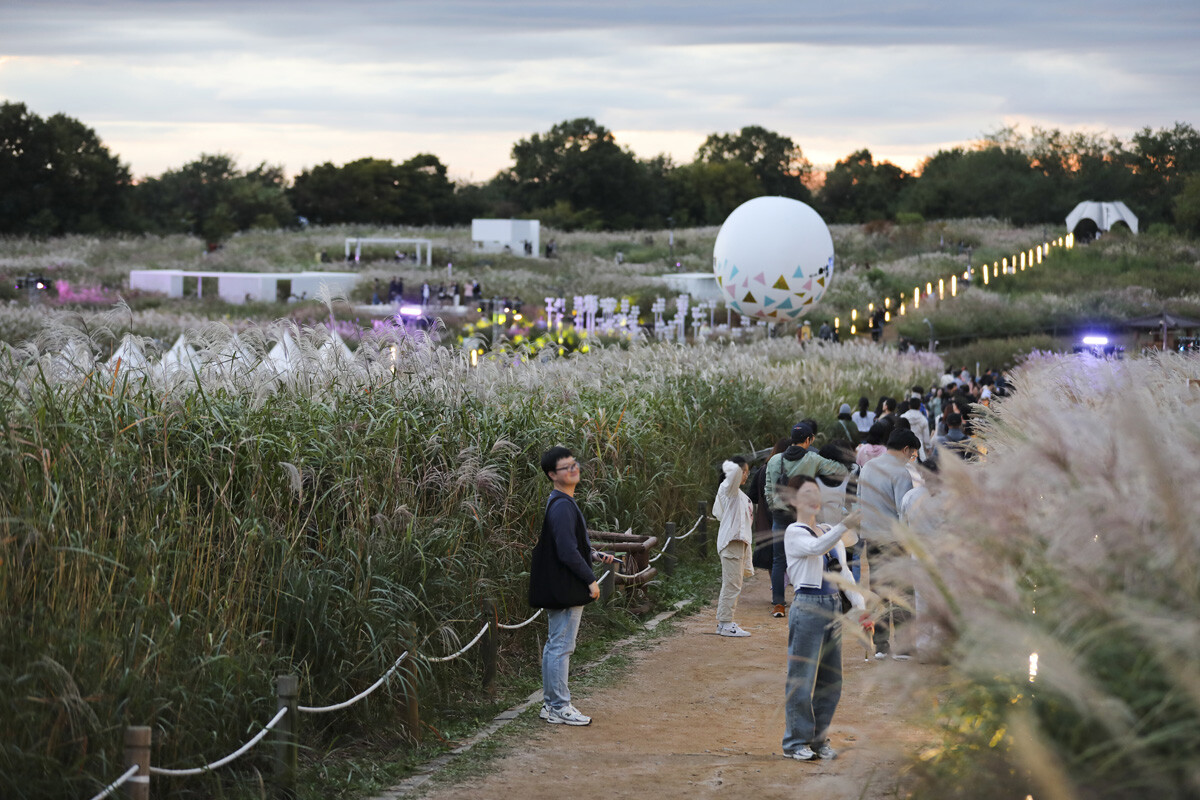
pixel 566 467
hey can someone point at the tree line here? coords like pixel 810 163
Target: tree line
pixel 57 176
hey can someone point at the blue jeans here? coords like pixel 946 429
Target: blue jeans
pixel 814 676
pixel 556 655
pixel 778 563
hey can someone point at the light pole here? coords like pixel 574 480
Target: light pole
pixel 930 324
pixel 671 238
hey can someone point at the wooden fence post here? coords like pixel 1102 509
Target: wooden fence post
pixel 669 560
pixel 410 707
pixel 287 751
pixel 490 644
pixel 137 752
pixel 702 531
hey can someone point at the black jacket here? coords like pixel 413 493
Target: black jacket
pixel 560 569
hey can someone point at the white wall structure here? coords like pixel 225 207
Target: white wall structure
pixel 506 235
pixel 699 285
pixel 240 287
pixel 1103 214
pixel 358 242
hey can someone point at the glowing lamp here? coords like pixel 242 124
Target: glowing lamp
pixel 1097 340
pixel 887 316
pixel 854 313
pixel 410 311
pixel 852 330
pixel 954 286
pixel 941 289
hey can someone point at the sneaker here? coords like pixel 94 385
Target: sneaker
pixel 778 612
pixel 567 715
pixel 544 713
pixel 901 656
pixel 732 629
pixel 880 656
pixel 825 752
pixel 805 753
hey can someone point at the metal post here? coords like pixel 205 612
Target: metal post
pixel 489 645
pixel 137 752
pixel 287 753
pixel 410 707
pixel 669 560
pixel 702 531
pixel 609 584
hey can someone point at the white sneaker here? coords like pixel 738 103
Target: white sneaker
pixel 567 715
pixel 825 752
pixel 544 713
pixel 880 656
pixel 901 657
pixel 805 753
pixel 732 629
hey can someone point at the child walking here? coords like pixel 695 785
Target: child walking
pixel 734 538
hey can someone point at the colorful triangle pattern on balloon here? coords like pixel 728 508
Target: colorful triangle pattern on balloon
pixel 780 284
pixel 761 278
pixel 799 273
pixel 749 298
pixel 733 273
pixel 767 300
pixel 787 303
pixel 821 281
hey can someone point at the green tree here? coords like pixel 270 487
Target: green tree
pixel 372 190
pixel 56 176
pixel 1187 205
pixel 1159 160
pixel 577 166
pixel 704 192
pixel 212 198
pixel 776 161
pixel 858 189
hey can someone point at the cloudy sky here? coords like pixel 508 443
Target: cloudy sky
pixel 301 83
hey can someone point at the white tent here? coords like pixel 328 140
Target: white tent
pixel 1103 214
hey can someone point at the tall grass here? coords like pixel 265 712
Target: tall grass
pixel 1077 540
pixel 171 540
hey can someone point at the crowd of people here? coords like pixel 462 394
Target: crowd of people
pixel 817 520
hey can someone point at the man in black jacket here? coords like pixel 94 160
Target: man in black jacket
pixel 561 581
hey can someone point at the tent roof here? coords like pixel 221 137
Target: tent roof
pixel 1104 214
pixel 1156 321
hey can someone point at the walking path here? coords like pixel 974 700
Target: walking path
pixel 701 716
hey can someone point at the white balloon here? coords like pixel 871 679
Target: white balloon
pixel 773 258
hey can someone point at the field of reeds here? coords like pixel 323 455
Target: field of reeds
pixel 1063 574
pixel 170 540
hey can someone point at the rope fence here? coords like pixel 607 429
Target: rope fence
pixel 536 614
pixel 220 762
pixel 118 783
pixel 465 648
pixel 138 738
pixel 357 697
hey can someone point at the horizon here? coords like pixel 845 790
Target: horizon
pixel 296 85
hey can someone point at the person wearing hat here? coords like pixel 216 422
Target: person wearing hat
pixel 796 460
pixel 805 333
pixel 846 422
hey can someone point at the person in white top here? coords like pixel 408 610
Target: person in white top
pixel 734 538
pixel 814 676
pixel 919 424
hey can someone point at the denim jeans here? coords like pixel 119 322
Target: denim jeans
pixel 778 563
pixel 556 655
pixel 814 676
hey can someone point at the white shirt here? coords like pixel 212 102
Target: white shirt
pixel 805 557
pixel 733 509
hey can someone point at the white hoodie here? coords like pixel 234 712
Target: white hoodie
pixel 733 508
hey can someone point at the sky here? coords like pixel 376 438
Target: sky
pixel 303 83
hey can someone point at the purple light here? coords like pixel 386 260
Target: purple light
pixel 410 311
pixel 1095 340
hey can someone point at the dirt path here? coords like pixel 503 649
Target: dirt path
pixel 701 716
